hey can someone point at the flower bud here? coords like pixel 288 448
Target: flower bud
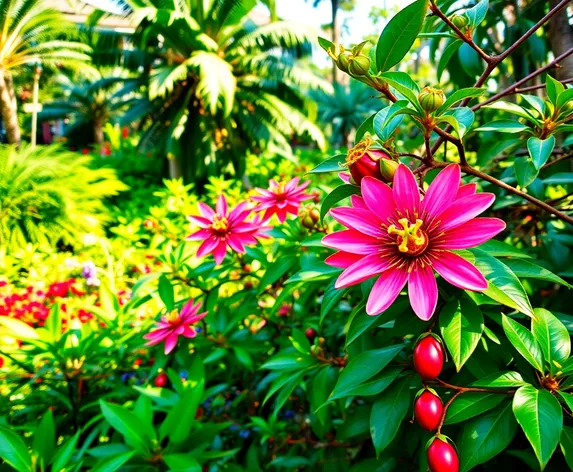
pixel 359 65
pixel 309 216
pixel 364 161
pixel 388 168
pixel 343 62
pixel 431 99
pixel 459 21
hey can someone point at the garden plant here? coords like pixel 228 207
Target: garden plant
pixel 400 302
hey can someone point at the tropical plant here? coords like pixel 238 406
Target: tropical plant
pixel 221 86
pixel 344 110
pixel 31 35
pixel 48 194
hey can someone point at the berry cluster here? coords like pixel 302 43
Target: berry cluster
pixel 428 407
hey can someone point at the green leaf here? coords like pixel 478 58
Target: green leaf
pixel 388 413
pixel 275 271
pixel 376 384
pixel 404 84
pixel 540 149
pixel 330 299
pixel 486 436
pixel 553 88
pixel 502 379
pixel 503 286
pixel 477 13
pixel 386 122
pixel 461 325
pixel 525 171
pixel 325 43
pixel 471 404
pixel 524 342
pixel 318 271
pixel 528 270
pixel 364 366
pixel 446 55
pixel 567 398
pixel 497 248
pixel 366 127
pixel 18 329
pixel 399 35
pixel 54 322
pixel 503 126
pixel 540 416
pixel 322 385
pixel 113 463
pixel 166 293
pixel 458 96
pixel 362 322
pixel 182 463
pixel 65 452
pixel 514 109
pixel 564 97
pixel 552 336
pixel 332 164
pixel 339 193
pixel 289 361
pixel 567 445
pixel 13 450
pixel 126 423
pixel 45 438
pixel 560 178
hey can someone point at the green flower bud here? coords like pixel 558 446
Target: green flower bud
pixel 343 62
pixel 431 99
pixel 359 65
pixel 459 21
pixel 308 217
pixel 388 168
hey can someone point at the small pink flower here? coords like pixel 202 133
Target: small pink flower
pixel 282 199
pixel 223 228
pixel 401 239
pixel 176 324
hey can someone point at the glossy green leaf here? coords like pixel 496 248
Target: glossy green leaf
pixel 404 84
pixel 477 13
pixel 315 272
pixel 553 88
pixel 497 248
pixel 501 380
pixel 458 96
pixel 386 122
pixel 524 342
pixel 113 463
pixel 331 299
pixel 289 361
pixel 471 404
pixel 388 414
pixel 166 293
pixel 514 109
pixel 566 443
pixel 564 97
pixel 527 269
pixel 399 34
pixel 325 43
pixel 503 126
pixel 275 271
pixel 540 416
pixel 362 367
pixel 338 194
pixel 461 325
pixel 13 450
pixel 560 178
pixel 126 423
pixel 44 442
pixel 376 384
pixel 367 127
pixel 332 164
pixel 525 171
pixel 446 55
pixel 552 336
pixel 361 322
pixel 64 453
pixel 540 149
pixel 17 328
pixel 486 436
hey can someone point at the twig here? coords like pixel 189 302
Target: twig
pixel 446 406
pixel 537 87
pixel 472 389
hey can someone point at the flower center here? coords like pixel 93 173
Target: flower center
pixel 356 153
pixel 411 240
pixel 172 317
pixel 220 223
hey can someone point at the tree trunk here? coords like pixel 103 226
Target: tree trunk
pixel 9 107
pixel 335 35
pixel 98 132
pixel 561 35
pixel 174 167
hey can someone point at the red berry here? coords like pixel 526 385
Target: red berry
pixel 310 334
pixel 138 361
pixel 1 362
pixel 428 410
pixel 428 358
pixel 442 457
pixel 161 380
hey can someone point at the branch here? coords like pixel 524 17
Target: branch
pixel 540 86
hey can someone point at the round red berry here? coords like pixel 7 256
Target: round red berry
pixel 428 410
pixel 310 334
pixel 428 358
pixel 442 457
pixel 161 380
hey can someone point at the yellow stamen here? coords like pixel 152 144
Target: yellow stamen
pixel 413 238
pixel 172 317
pixel 354 154
pixel 220 223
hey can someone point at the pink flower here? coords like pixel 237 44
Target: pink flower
pixel 282 199
pixel 176 324
pixel 400 239
pixel 222 228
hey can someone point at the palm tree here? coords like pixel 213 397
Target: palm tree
pixel 343 111
pixel 221 86
pixel 30 33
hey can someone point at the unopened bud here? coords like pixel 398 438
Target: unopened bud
pixel 359 65
pixel 459 21
pixel 363 160
pixel 388 168
pixel 431 99
pixel 343 62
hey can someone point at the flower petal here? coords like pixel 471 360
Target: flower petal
pixel 406 193
pixel 441 192
pixel 470 234
pixel 170 343
pixel 358 202
pixel 463 210
pixel 457 271
pixel 208 246
pixel 378 197
pixel 362 270
pixel 386 290
pixel 235 242
pixel 351 241
pixel 360 220
pixel 222 206
pixel 344 176
pixel 466 189
pixel 220 252
pixel 342 259
pixel 423 291
pixel 206 211
pixel 200 235
pixel 199 221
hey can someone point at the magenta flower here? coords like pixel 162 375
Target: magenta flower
pixel 222 228
pixel 395 236
pixel 175 324
pixel 281 199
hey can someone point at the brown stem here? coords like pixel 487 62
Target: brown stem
pixel 446 406
pixel 537 87
pixel 472 389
